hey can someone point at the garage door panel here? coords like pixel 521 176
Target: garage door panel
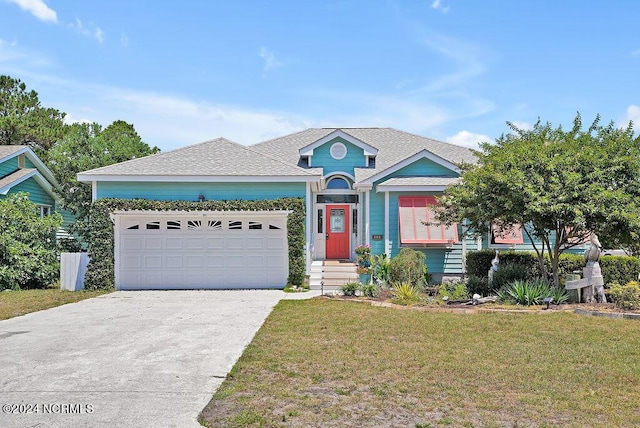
pixel 234 261
pixel 152 262
pixel 131 244
pixel 215 262
pixel 215 243
pixel 276 262
pixel 201 252
pixel 255 262
pixel 154 243
pixel 255 243
pixel 174 262
pixel 191 261
pixel 174 243
pixel 235 243
pixel 132 261
pixel 194 243
pixel 276 244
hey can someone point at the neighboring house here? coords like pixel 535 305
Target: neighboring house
pixel 361 186
pixel 22 171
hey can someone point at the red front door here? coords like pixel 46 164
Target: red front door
pixel 338 232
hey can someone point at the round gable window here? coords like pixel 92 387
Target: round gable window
pixel 338 151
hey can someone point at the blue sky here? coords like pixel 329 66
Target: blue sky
pixel 454 70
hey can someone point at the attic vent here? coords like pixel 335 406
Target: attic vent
pixel 338 151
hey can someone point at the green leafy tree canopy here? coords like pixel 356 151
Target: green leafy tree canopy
pixel 23 121
pixel 87 146
pixel 562 185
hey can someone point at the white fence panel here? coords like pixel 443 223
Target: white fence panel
pixel 73 266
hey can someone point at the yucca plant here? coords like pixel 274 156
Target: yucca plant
pixel 558 294
pixel 350 288
pixel 525 292
pixel 405 294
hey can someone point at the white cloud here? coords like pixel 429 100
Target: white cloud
pixel 124 40
pixel 633 114
pixel 469 139
pixel 89 30
pixel 636 52
pixel 270 61
pixel 525 126
pixel 439 6
pixel 37 8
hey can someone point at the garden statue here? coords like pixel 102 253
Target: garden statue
pixel 592 272
pixel 494 267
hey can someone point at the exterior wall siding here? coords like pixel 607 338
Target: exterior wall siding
pixel 165 191
pixel 322 157
pixel 448 261
pixel 9 166
pixel 36 193
pixel 421 167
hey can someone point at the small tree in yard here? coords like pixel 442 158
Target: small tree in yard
pixel 561 185
pixel 27 244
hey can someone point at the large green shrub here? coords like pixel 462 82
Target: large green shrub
pixel 626 296
pixel 479 262
pixel 510 272
pixel 100 272
pixel 621 269
pixel 27 244
pixel 478 285
pixel 409 266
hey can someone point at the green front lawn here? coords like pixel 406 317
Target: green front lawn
pixel 15 303
pixel 327 363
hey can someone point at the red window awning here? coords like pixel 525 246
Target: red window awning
pixel 414 212
pixel 509 235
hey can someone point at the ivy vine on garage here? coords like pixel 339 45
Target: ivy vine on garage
pixel 100 272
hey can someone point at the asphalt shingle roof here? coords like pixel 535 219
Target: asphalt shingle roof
pixel 280 156
pixel 393 147
pixel 15 176
pixel 219 157
pixel 9 150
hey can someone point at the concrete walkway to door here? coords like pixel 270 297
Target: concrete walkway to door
pixel 126 359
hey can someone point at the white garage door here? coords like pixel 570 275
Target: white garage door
pixel 213 250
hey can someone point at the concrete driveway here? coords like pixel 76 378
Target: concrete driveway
pixel 127 359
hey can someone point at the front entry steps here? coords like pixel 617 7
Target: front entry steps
pixel 334 274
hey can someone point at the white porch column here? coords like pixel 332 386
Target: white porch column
pixel 367 233
pixel 360 217
pixel 387 243
pixel 308 226
pixel 94 191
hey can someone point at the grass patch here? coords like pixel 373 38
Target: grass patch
pixel 16 303
pixel 332 363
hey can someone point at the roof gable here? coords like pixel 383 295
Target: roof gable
pixel 369 178
pixel 393 147
pixel 338 133
pixel 41 174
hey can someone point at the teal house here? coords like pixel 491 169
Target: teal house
pixel 374 186
pixel 22 171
